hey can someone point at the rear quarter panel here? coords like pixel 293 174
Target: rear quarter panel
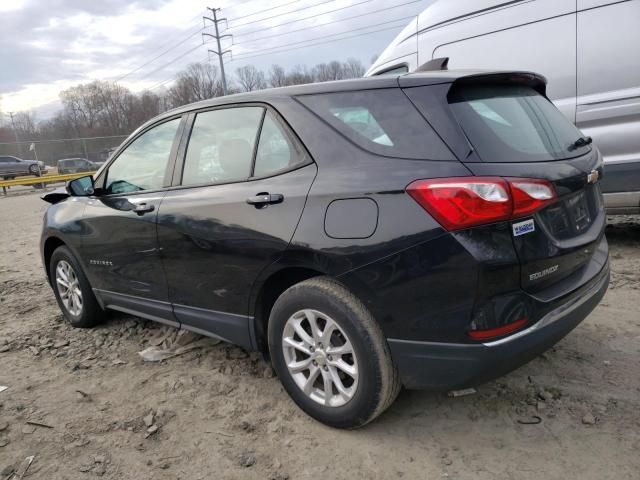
pixel 394 266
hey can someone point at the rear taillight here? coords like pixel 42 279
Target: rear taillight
pixel 530 195
pixel 464 202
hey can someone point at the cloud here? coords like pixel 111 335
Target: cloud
pixel 48 47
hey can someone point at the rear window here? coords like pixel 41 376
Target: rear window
pixel 381 121
pixel 512 123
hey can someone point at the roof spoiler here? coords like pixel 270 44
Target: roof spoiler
pixel 534 80
pixel 436 64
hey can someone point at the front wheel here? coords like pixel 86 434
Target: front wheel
pixel 73 291
pixel 331 355
pixel 34 170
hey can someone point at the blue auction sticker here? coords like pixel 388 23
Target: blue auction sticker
pixel 521 228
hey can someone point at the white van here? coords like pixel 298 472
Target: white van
pixel 589 50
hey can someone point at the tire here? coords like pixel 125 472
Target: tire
pixel 89 313
pixel 375 384
pixel 34 170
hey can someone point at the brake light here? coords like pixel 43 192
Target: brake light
pixel 464 202
pixel 529 196
pixel 497 332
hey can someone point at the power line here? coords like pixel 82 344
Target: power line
pixel 171 41
pixel 161 55
pixel 404 19
pixel 261 11
pixel 282 14
pixel 329 23
pixel 179 57
pixel 259 53
pixel 300 19
pixel 159 84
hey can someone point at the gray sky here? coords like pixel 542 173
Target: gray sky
pixel 49 45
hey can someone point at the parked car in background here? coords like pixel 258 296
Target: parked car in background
pixel 587 49
pixel 11 167
pixel 75 165
pixel 430 230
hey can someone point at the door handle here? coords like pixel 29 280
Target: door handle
pixel 142 208
pixel 263 199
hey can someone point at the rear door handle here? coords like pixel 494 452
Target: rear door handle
pixel 142 208
pixel 263 199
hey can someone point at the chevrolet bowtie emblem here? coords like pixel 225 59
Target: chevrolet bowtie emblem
pixel 593 176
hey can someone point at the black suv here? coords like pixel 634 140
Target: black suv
pixel 431 230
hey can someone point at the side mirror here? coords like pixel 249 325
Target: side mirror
pixel 81 187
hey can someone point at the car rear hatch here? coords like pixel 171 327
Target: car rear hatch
pixel 502 125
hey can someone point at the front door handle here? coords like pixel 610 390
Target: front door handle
pixel 142 208
pixel 263 199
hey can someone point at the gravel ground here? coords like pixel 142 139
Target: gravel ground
pixel 217 411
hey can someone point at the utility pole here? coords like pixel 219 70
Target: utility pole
pixel 220 53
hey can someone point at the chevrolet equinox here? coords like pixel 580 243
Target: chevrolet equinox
pixel 430 230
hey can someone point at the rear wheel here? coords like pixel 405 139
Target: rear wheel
pixel 331 355
pixel 73 291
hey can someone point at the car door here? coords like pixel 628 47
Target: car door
pixel 240 192
pixel 120 245
pixel 12 166
pixel 5 164
pixel 609 92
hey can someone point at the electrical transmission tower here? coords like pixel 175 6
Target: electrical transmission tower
pixel 220 53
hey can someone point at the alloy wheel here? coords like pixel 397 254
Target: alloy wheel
pixel 69 288
pixel 320 358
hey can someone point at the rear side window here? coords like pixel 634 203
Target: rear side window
pixel 513 123
pixel 381 121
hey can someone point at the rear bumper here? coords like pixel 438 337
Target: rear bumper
pixel 447 366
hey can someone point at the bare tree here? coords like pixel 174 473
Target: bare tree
pixel 353 68
pixel 324 72
pixel 277 76
pixel 199 81
pixel 299 75
pixel 115 102
pixel 25 124
pixel 250 78
pixel 82 105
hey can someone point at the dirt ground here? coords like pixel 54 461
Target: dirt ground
pixel 217 412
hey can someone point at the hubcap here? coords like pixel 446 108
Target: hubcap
pixel 320 358
pixel 69 288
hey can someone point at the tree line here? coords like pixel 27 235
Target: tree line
pixel 102 108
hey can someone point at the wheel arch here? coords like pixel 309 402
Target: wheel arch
pixel 49 246
pixel 272 287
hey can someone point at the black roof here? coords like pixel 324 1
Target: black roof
pixel 366 83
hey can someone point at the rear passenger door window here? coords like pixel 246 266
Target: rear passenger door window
pixel 277 149
pixel 221 146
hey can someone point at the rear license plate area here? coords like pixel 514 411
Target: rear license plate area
pixel 578 211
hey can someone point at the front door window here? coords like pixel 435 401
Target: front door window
pixel 143 164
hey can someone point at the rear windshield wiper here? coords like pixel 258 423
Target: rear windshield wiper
pixel 581 142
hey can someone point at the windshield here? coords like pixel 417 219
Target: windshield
pixel 514 123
